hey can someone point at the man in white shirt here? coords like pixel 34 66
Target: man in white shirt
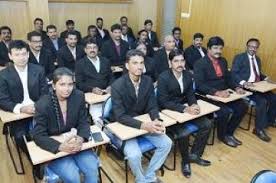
pixel 246 70
pixel 21 85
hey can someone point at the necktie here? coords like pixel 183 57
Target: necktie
pixel 257 76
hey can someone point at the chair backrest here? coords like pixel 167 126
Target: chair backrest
pixel 107 108
pixel 264 176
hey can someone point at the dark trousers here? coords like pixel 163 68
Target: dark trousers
pixel 265 109
pixel 229 117
pixel 204 127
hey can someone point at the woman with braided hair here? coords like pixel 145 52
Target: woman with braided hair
pixel 63 110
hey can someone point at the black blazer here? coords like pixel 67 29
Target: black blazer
pixel 179 45
pixel 43 35
pixel 108 50
pixel 125 104
pixel 154 39
pixel 63 35
pixel 241 68
pixel 106 35
pixel 47 124
pixel 131 42
pixel 191 55
pixel 48 44
pixel 206 79
pixel 161 60
pixel 150 68
pixel 87 77
pixel 169 93
pixel 11 88
pixel 45 60
pixel 66 59
pixel 4 54
pixel 130 33
pixel 150 51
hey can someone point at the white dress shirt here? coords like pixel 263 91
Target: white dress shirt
pixel 37 56
pixel 23 75
pixel 96 63
pixel 73 51
pixel 124 37
pixel 101 32
pixel 180 82
pixel 201 52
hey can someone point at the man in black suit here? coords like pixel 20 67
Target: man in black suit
pixel 38 27
pixel 175 88
pixel 39 55
pixel 70 25
pixel 6 37
pixel 213 78
pixel 71 52
pixel 133 95
pixel 103 33
pixel 161 57
pixel 115 49
pixel 246 70
pixel 176 32
pixel 92 33
pixel 149 69
pixel 124 21
pixel 53 43
pixel 127 38
pixel 152 36
pixel 21 85
pixel 195 52
pixel 93 74
pixel 143 38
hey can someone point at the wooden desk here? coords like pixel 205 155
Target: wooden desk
pixel 124 132
pixel 263 86
pixel 7 117
pixel 233 96
pixel 205 108
pixel 92 98
pixel 39 155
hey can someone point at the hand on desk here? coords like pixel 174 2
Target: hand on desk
pixel 248 84
pixel 240 91
pixel 222 93
pixel 193 109
pixel 28 109
pixel 155 126
pixel 71 145
pixel 98 91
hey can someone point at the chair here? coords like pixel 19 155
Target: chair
pixel 251 105
pixel 117 145
pixel 264 176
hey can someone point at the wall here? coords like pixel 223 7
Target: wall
pixel 235 21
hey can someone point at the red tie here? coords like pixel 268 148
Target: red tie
pixel 257 76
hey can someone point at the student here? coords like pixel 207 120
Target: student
pixel 62 110
pixel 175 88
pixel 124 22
pixel 103 33
pixel 93 74
pixel 143 38
pixel 195 52
pixel 152 36
pixel 38 27
pixel 21 85
pixel 53 42
pixel 70 53
pixel 70 27
pixel 176 32
pixel 247 70
pixel 40 55
pixel 133 95
pixel 5 39
pixel 92 33
pixel 212 77
pixel 149 63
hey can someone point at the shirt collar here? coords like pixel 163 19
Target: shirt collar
pixel 94 61
pixel 24 71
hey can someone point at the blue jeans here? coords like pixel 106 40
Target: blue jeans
pixel 68 168
pixel 132 151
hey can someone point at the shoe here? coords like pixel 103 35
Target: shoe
pixel 273 124
pixel 186 169
pixel 198 160
pixel 228 141
pixel 262 135
pixel 237 141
